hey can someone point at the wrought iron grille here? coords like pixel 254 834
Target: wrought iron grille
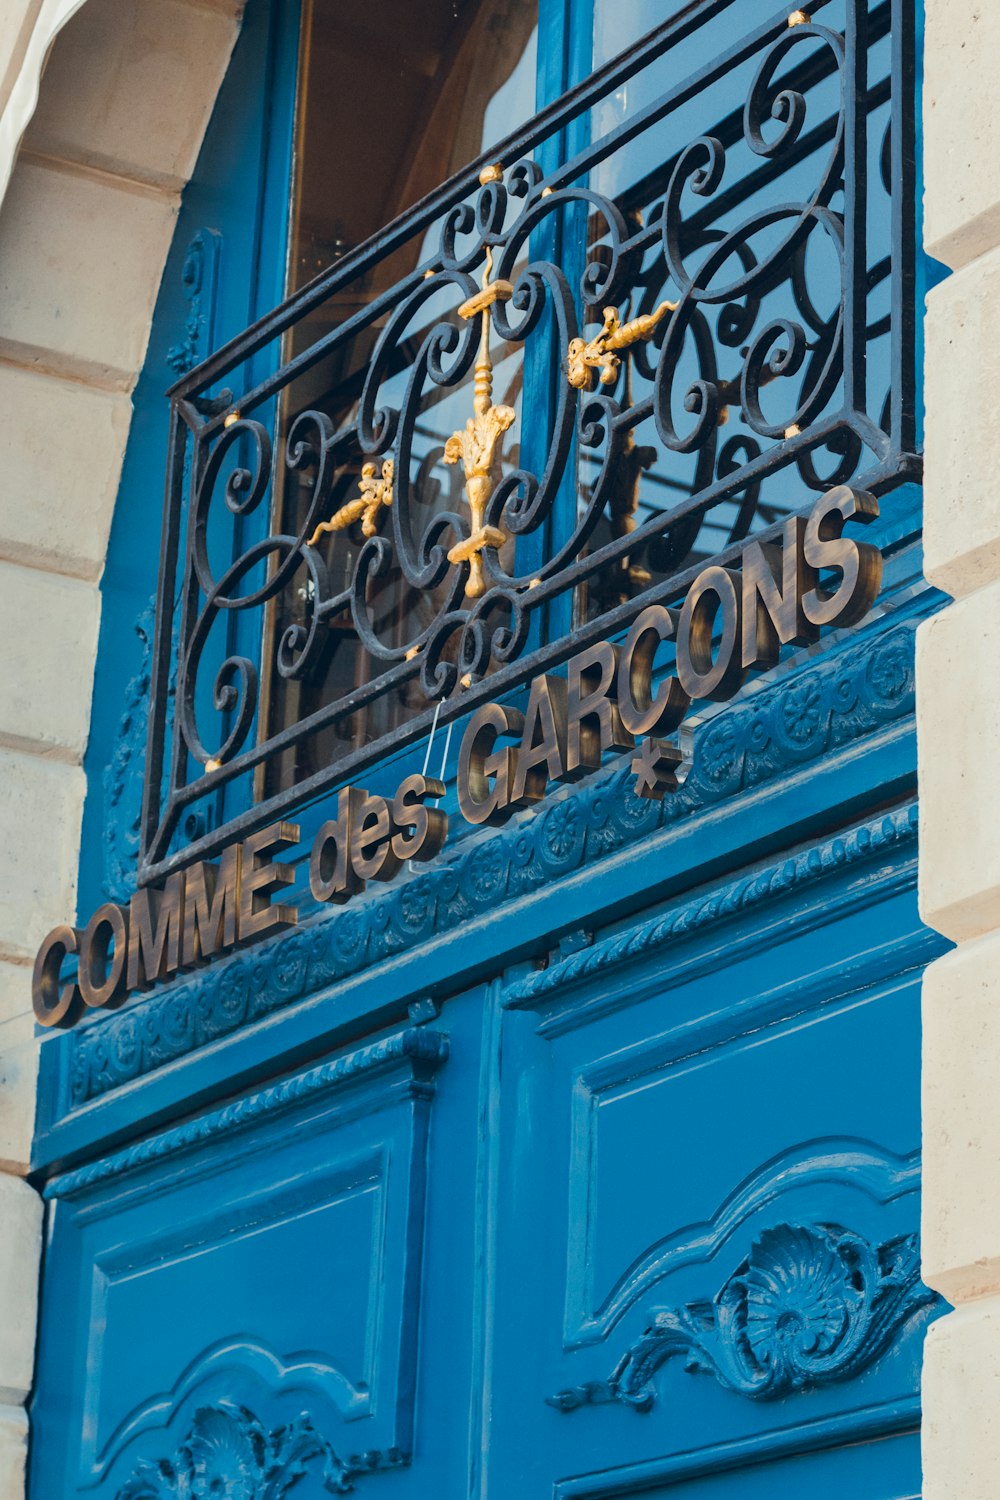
pixel 693 277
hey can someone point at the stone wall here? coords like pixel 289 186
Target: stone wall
pixel 958 722
pixel 105 105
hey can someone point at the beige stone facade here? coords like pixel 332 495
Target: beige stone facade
pixel 958 723
pixel 106 105
pixel 102 111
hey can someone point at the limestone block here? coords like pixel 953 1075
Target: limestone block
pixel 48 645
pixel 81 256
pixel 13 1452
pixel 20 1252
pixel 41 804
pixel 33 24
pixel 960 1238
pixel 958 730
pixel 15 992
pixel 131 88
pixel 19 1057
pixel 961 130
pixel 962 368
pixel 63 445
pixel 19 1054
pixel 961 1405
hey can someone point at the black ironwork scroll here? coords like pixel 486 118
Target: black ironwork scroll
pixel 708 313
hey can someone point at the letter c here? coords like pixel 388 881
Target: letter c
pixel 56 1005
pixel 641 713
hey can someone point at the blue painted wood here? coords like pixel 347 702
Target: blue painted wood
pixel 583 1164
pixel 695 1122
pixel 611 1138
pixel 211 1221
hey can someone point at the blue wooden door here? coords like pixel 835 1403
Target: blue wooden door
pixel 584 1164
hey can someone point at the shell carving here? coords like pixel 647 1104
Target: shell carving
pixel 811 1304
pixel 229 1453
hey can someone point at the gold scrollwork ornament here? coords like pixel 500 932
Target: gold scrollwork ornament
pixel 475 445
pixel 584 356
pixel 376 493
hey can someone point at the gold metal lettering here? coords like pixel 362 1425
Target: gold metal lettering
pixel 372 854
pixel 485 773
pixel 155 930
pixel 420 831
pixel 55 1004
pixel 860 563
pixel 259 879
pixel 332 876
pixel 641 712
pixel 376 493
pixel 102 973
pixel 585 356
pixel 774 581
pixel 593 720
pixel 541 757
pixel 476 444
pixel 714 595
pixel 211 906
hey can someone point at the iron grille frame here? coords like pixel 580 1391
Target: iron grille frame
pixel 199 421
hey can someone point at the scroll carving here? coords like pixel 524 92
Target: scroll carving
pixel 811 1304
pixel 229 1452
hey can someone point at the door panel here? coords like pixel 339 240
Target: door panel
pixel 651 1229
pixel 717 1149
pixel 258 1269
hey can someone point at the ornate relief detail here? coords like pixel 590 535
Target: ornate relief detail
pixel 198 281
pixel 584 356
pixel 811 1304
pixel 376 493
pixel 122 780
pixel 228 1452
pixel 122 775
pixel 860 844
pixel 841 698
pixel 417 1044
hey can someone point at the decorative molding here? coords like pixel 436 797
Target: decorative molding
pixel 304 1373
pixel 828 1163
pixel 811 1304
pixel 199 283
pixel 229 1452
pixel 417 1045
pixel 832 701
pixel 122 780
pixel 865 842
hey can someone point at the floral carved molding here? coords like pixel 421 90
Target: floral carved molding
pixel 811 1304
pixel 229 1452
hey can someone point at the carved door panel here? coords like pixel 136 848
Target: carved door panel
pixel 720 1290
pixel 233 1305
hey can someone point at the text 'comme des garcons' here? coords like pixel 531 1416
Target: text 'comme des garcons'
pixel 611 698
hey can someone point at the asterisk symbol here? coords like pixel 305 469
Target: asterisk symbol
pixel 655 769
